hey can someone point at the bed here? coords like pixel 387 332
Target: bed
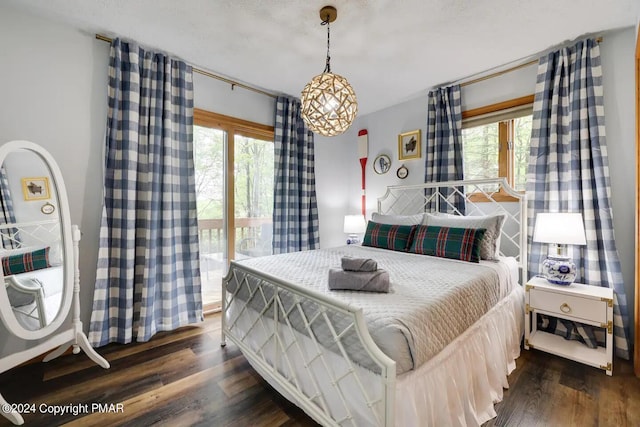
pixel 34 287
pixel 358 358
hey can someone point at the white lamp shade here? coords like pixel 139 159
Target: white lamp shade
pixel 560 228
pixel 354 224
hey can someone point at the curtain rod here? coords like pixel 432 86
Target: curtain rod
pixel 233 83
pixel 508 70
pixel 498 73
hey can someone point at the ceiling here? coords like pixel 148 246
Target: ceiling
pixel 390 50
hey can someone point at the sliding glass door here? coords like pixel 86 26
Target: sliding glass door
pixel 234 184
pixel 253 196
pixel 209 152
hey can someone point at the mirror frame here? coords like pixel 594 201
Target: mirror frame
pixel 6 312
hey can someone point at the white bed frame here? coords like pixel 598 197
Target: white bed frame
pixel 32 234
pixel 312 389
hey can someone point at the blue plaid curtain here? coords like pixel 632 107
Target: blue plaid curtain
pixel 295 210
pixel 569 172
pixel 443 153
pixel 8 236
pixel 148 275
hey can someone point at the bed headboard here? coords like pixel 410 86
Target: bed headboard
pixel 25 234
pixel 482 197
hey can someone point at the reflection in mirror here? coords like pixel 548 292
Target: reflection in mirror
pixel 39 253
pixel 30 240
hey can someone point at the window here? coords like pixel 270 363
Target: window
pixel 234 186
pixel 496 142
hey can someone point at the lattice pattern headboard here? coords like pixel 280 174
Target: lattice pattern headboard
pixel 482 197
pixel 36 233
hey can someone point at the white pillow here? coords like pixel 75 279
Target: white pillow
pixel 490 243
pixel 397 219
pixel 18 251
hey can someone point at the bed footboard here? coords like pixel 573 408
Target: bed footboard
pixel 315 351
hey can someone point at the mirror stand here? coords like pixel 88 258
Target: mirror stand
pixel 72 337
pixel 81 342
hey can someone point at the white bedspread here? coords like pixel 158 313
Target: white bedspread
pixel 431 300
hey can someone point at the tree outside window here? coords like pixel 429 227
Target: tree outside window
pixel 496 142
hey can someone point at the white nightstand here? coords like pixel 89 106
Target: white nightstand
pixel 591 305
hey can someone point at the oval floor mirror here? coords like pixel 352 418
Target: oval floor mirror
pixel 39 253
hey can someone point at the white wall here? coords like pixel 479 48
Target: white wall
pixel 617 52
pixel 384 126
pixel 53 92
pixel 53 85
pixel 618 78
pixel 20 165
pixel 214 95
pixel 330 154
pixel 335 160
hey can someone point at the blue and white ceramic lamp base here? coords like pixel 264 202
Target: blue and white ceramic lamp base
pixel 559 270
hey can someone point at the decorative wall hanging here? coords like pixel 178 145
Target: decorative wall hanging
pixel 382 164
pixel 47 208
pixel 410 145
pixel 402 172
pixel 35 188
pixel 329 103
pixel 363 154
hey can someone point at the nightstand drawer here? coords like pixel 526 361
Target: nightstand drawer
pixel 567 305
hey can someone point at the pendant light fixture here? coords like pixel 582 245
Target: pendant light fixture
pixel 329 103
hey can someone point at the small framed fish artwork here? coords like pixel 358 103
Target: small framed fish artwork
pixel 410 145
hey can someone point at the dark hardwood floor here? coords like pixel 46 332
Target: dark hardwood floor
pixel 185 378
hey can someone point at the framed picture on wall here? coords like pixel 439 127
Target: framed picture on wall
pixel 36 188
pixel 410 145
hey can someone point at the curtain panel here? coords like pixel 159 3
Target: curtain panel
pixel 443 152
pixel 295 209
pixel 569 172
pixel 9 236
pixel 148 273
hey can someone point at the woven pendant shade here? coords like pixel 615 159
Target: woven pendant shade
pixel 329 104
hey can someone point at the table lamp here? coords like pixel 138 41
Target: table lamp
pixel 559 230
pixel 354 225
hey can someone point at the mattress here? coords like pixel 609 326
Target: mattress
pixel 431 300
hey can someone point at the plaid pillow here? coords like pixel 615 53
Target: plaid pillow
pixel 490 244
pixel 448 242
pixel 29 261
pixel 387 236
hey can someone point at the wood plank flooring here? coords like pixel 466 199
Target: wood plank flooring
pixel 185 378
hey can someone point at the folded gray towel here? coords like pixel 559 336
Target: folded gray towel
pixel 358 264
pixel 371 281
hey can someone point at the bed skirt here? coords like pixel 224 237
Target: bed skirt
pixel 460 385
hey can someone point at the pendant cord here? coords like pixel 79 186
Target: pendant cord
pixel 327 67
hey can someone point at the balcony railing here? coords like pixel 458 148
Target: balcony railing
pixel 211 233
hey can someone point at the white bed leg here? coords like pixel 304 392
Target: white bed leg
pixel 223 323
pixel 12 416
pixel 223 337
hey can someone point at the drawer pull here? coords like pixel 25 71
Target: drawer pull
pixel 565 308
